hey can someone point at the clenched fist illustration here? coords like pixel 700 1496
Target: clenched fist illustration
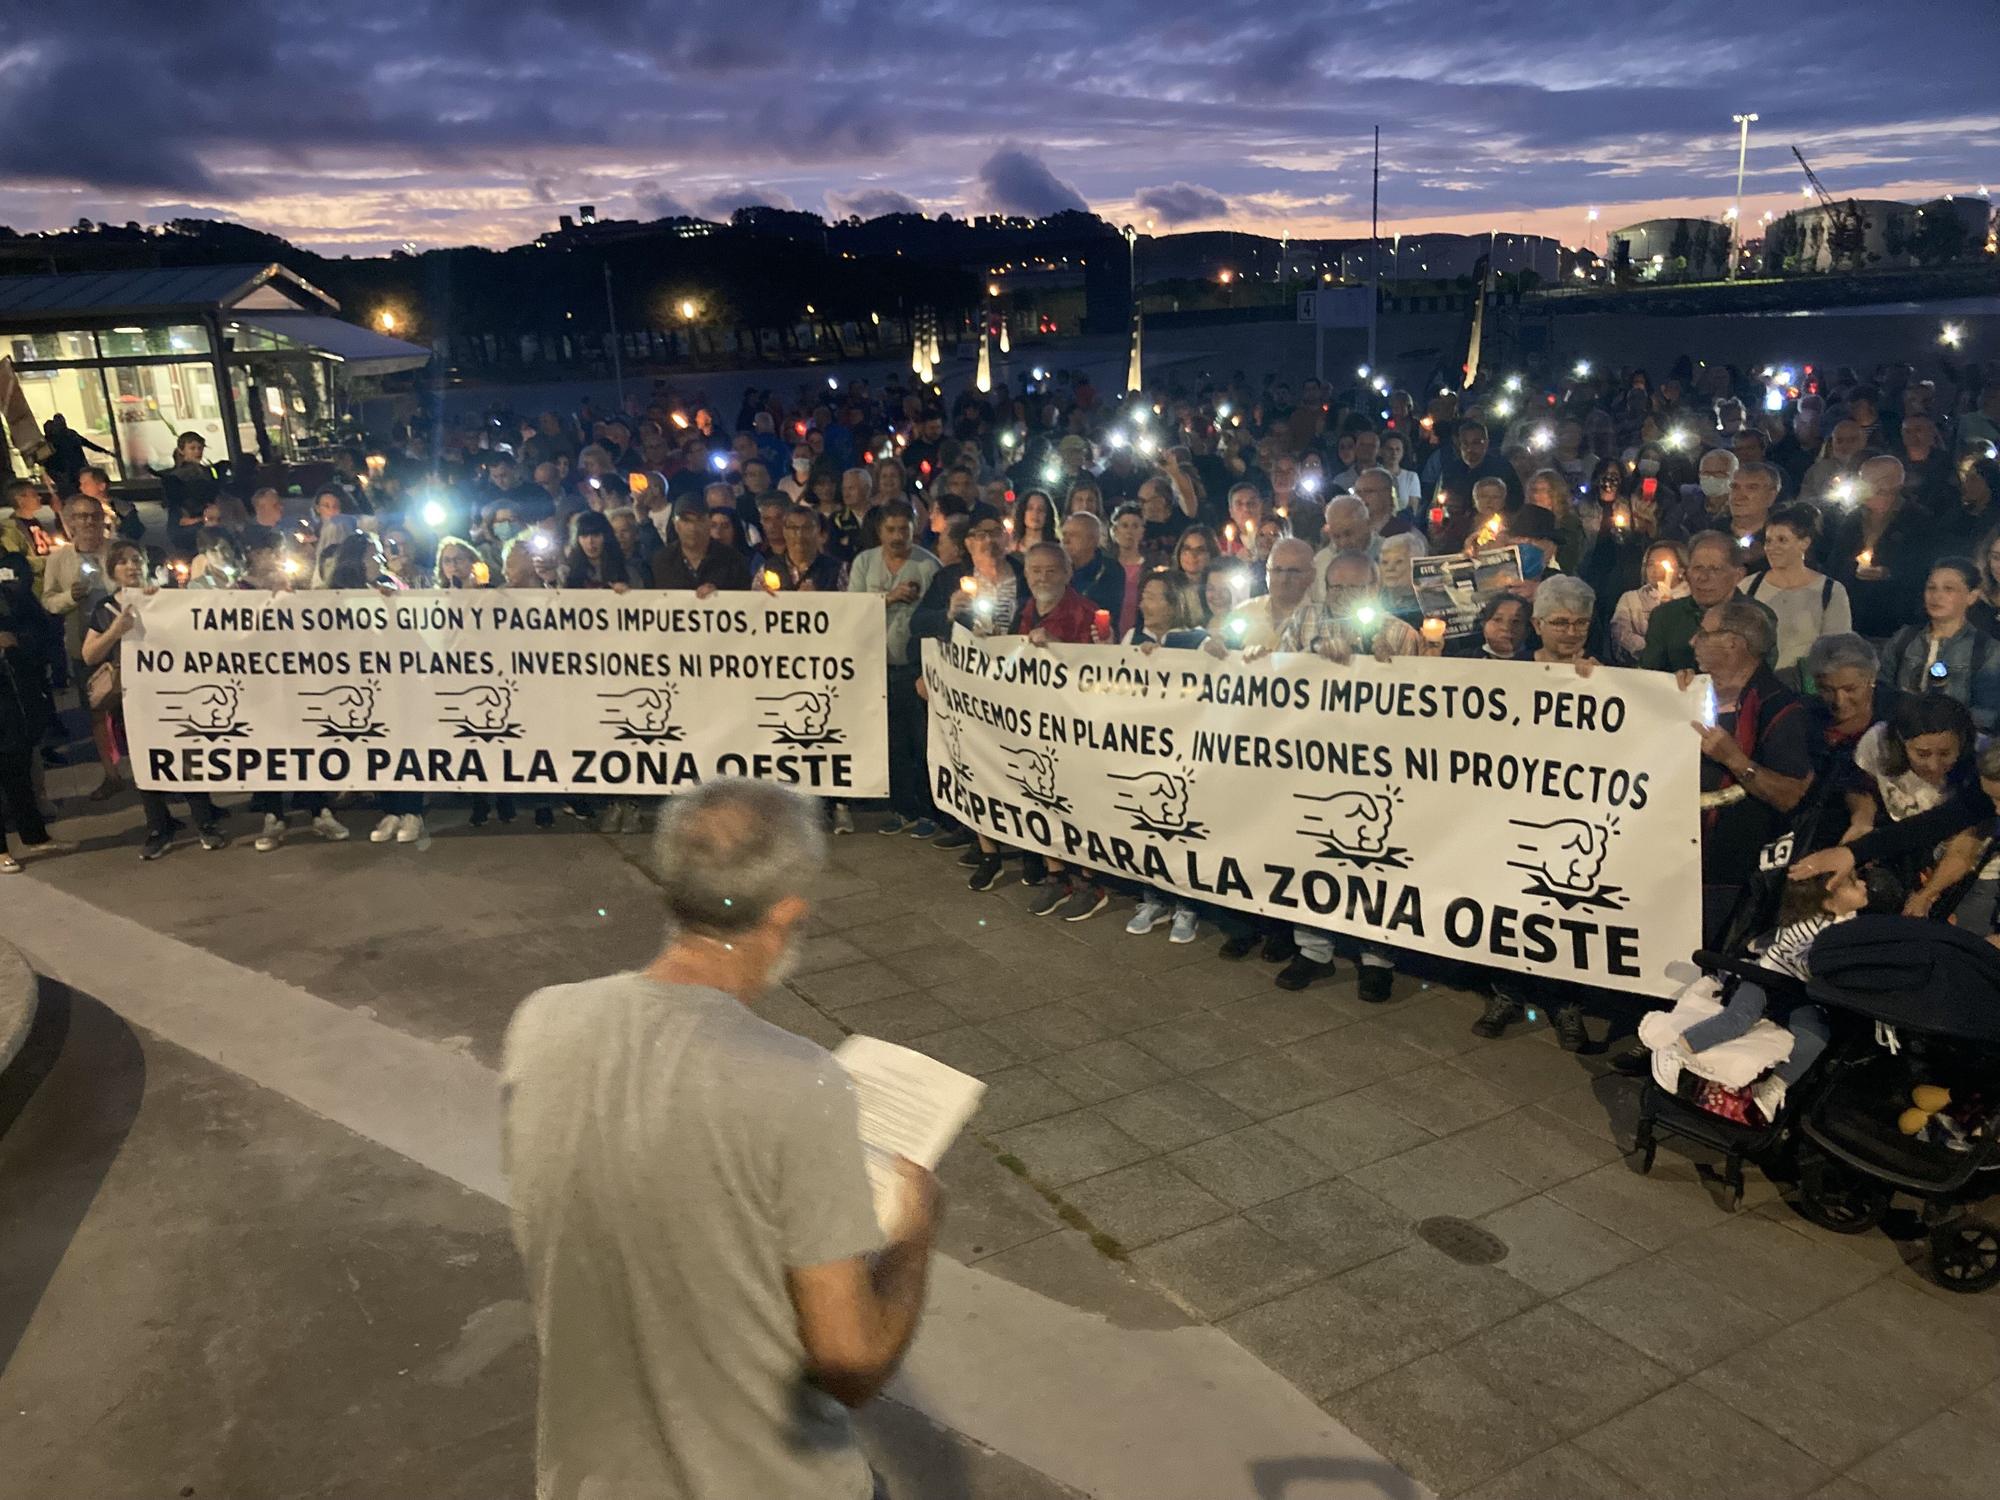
pixel 804 713
pixel 344 707
pixel 1568 854
pixel 210 706
pixel 1353 822
pixel 647 708
pixel 486 706
pixel 1159 798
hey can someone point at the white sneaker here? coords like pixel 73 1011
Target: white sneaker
pixel 843 819
pixel 327 826
pixel 384 830
pixel 1151 913
pixel 1187 922
pixel 410 830
pixel 273 833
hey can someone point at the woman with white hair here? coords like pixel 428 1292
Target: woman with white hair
pixel 1565 609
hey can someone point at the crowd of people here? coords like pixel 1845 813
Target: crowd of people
pixel 1822 544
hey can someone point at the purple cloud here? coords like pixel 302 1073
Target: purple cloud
pixel 1181 203
pixel 1013 181
pixel 870 203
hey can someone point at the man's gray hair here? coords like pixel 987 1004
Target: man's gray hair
pixel 1488 481
pixel 1831 652
pixel 1717 541
pixel 1724 454
pixel 1356 557
pixel 1771 474
pixel 1740 617
pixel 1091 519
pixel 731 850
pixel 726 491
pixel 1562 592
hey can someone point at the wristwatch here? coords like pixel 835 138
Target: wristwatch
pixel 1749 771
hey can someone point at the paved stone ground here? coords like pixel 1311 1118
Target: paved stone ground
pixel 1264 1159
pixel 1168 1138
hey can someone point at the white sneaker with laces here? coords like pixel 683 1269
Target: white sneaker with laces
pixel 410 829
pixel 327 826
pixel 271 835
pixel 383 831
pixel 1151 913
pixel 1187 923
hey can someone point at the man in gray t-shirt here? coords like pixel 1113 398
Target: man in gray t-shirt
pixel 690 1201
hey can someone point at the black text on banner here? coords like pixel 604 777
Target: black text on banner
pixel 636 694
pixel 1509 814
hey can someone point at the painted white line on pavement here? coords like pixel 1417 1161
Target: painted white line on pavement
pixel 1120 1414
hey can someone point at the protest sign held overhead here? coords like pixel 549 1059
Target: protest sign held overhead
pixel 638 694
pixel 1514 815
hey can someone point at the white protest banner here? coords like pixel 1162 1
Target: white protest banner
pixel 629 694
pixel 1509 814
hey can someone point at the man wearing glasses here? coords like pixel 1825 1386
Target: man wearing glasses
pixel 1714 570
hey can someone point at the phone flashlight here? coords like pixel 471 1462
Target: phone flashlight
pixel 1708 705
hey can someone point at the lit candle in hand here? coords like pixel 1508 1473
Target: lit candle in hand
pixel 1866 559
pixel 1433 630
pixel 771 579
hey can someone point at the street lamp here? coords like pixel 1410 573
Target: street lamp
pixel 689 308
pixel 1743 123
pixel 386 321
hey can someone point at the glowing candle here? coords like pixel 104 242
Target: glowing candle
pixel 1434 630
pixel 771 579
pixel 1866 559
pixel 1621 517
pixel 966 585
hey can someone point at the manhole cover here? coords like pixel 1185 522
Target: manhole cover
pixel 1463 1240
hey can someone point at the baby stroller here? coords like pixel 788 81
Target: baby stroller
pixel 1680 1112
pixel 1921 1117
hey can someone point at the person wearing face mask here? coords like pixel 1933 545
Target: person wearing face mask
pixel 1807 604
pixel 503 524
pixel 1703 505
pixel 793 485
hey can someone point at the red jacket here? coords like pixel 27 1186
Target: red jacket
pixel 1072 621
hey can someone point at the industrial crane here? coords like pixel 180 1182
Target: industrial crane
pixel 1845 236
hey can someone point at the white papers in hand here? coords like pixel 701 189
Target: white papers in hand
pixel 911 1105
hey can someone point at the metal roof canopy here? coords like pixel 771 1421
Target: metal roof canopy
pixel 362 351
pixel 192 290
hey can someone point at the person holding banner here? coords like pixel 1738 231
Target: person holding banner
pixel 1054 612
pixel 692 560
pixel 102 653
pixel 899 572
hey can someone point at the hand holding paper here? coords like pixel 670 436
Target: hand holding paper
pixel 913 1107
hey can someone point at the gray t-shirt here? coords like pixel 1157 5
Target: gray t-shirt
pixel 670 1155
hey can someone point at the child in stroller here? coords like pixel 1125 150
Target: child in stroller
pixel 1804 912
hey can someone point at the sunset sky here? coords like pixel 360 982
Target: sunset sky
pixel 353 127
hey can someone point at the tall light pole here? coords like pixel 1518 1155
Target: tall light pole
pixel 1743 123
pixel 1134 367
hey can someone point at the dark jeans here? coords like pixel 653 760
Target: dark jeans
pixel 401 803
pixel 909 736
pixel 160 820
pixel 18 808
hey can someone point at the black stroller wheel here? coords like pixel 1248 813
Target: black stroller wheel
pixel 1837 1199
pixel 1965 1255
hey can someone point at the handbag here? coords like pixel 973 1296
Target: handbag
pixel 105 686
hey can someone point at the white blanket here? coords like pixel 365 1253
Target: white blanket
pixel 1733 1064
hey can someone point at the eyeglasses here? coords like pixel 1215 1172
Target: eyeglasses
pixel 1564 622
pixel 1716 635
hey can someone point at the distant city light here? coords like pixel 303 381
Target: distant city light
pixel 1952 335
pixel 386 321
